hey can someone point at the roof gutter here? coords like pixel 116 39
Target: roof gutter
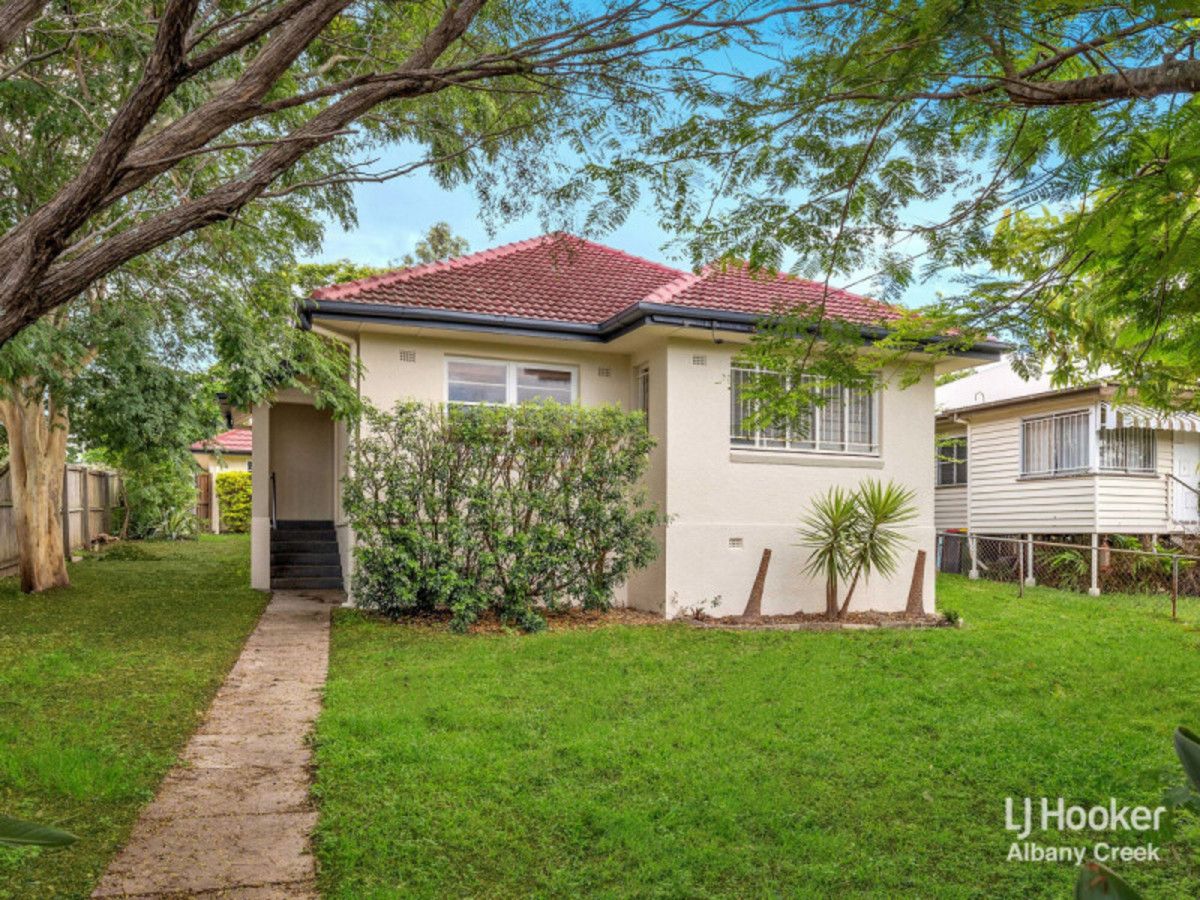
pixel 637 315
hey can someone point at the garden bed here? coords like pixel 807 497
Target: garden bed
pixel 854 621
pixel 562 620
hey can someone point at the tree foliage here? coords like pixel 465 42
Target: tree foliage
pixel 1039 154
pixel 129 128
pixel 440 242
pixel 498 508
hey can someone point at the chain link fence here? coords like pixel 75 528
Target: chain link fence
pixel 1118 564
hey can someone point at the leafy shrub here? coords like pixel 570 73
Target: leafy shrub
pixel 233 500
pixel 503 508
pixel 158 494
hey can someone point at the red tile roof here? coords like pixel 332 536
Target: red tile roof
pixel 236 440
pixel 736 288
pixel 562 278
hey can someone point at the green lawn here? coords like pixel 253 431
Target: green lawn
pixel 100 686
pixel 668 761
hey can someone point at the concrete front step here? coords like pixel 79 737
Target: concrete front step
pixel 306 558
pixel 307 524
pixel 304 537
pixel 303 582
pixel 289 571
pixel 304 547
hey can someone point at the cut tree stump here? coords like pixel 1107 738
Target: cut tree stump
pixel 916 591
pixel 754 604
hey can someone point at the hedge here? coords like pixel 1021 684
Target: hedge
pixel 233 501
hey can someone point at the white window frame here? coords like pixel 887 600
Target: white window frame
pixel 784 444
pixel 510 381
pixel 1091 451
pixel 938 462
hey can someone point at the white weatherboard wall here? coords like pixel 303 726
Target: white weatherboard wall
pixel 1002 502
pixel 951 500
pixel 715 494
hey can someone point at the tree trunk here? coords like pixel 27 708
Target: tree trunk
pixel 841 613
pixel 915 607
pixel 37 438
pixel 831 597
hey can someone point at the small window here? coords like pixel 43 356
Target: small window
pixel 1127 450
pixel 249 466
pixel 641 391
pixel 476 381
pixel 951 461
pixel 1059 444
pixel 536 383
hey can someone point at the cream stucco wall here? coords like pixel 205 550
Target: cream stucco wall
pixel 716 495
pixel 709 492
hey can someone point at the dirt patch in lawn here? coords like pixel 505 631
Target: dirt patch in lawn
pixel 865 620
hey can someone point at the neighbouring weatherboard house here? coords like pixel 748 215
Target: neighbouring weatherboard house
pixel 1017 457
pixel 561 318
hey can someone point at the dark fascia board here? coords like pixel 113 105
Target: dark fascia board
pixel 644 313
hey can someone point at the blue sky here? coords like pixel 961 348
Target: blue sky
pixel 393 216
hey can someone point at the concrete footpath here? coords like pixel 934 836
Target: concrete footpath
pixel 234 819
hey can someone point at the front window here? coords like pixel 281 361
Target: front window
pixel 500 382
pixel 1127 450
pixel 951 461
pixel 845 421
pixel 1059 444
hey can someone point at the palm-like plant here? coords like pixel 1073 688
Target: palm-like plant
pixel 852 535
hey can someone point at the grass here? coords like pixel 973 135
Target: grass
pixel 675 762
pixel 100 686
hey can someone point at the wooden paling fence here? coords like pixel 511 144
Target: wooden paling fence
pixel 90 496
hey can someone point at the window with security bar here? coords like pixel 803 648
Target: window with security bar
pixel 1058 444
pixel 1127 450
pixel 845 421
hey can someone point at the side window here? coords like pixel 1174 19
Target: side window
pixel 951 461
pixel 641 390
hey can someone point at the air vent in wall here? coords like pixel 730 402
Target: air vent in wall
pixel 699 360
pixel 604 372
pixel 735 543
pixel 408 356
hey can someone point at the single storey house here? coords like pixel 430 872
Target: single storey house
pixel 1021 457
pixel 566 319
pixel 229 451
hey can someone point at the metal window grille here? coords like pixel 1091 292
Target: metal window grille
pixel 1127 450
pixel 846 421
pixel 1057 444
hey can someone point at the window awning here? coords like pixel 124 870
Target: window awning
pixel 1130 415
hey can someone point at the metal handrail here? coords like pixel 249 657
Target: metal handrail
pixel 274 520
pixel 1184 483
